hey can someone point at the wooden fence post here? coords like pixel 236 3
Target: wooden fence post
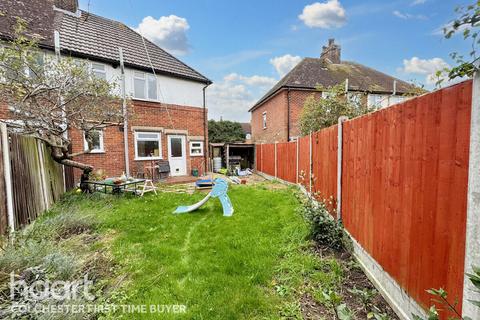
pixel 276 166
pixel 341 120
pixel 310 165
pixel 8 176
pixel 472 245
pixel 297 155
pixel 42 175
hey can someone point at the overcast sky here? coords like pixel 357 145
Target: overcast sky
pixel 245 46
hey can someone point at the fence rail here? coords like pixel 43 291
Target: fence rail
pixel 404 185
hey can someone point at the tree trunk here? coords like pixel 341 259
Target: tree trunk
pixel 63 158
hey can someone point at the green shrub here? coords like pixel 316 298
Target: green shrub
pixel 323 228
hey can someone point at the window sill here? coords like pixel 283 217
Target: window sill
pixel 146 100
pixel 196 155
pixel 96 152
pixel 148 159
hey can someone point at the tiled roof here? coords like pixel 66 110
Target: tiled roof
pixel 91 36
pixel 38 15
pixel 247 128
pixel 95 36
pixel 312 72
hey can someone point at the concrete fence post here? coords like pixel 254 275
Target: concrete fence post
pixel 341 120
pixel 297 165
pixel 8 176
pixel 472 245
pixel 42 173
pixel 276 165
pixel 310 165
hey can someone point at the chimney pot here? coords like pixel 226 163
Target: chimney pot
pixel 331 53
pixel 67 5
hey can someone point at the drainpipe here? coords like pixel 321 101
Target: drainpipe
pixel 205 133
pixel 125 114
pixel 288 114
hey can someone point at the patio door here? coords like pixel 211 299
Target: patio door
pixel 177 155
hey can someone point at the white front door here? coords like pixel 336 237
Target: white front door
pixel 177 155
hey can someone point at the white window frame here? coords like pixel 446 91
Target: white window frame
pixel 201 148
pixel 159 135
pixel 94 70
pixel 264 120
pixel 144 76
pixel 102 145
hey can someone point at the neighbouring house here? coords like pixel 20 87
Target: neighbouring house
pixel 168 115
pixel 247 130
pixel 275 117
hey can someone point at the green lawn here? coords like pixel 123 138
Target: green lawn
pixel 243 267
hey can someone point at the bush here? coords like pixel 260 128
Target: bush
pixel 323 228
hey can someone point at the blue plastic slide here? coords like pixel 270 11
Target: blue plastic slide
pixel 220 188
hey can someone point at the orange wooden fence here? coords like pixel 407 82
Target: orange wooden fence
pixel 404 185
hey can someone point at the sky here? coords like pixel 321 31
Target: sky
pixel 246 46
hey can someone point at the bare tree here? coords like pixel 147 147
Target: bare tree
pixel 48 96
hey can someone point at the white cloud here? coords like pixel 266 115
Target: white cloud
pixel 168 32
pixel 285 63
pixel 325 15
pixel 417 2
pixel 255 80
pixel 232 97
pixel 408 16
pixel 425 67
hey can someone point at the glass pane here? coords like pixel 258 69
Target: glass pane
pixel 96 140
pixel 196 151
pixel 176 147
pixel 152 87
pixel 139 88
pixel 148 149
pixel 147 136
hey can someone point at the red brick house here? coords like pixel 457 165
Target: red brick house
pixel 168 113
pixel 276 115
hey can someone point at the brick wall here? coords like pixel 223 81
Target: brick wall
pixel 188 120
pixel 276 109
pixel 297 100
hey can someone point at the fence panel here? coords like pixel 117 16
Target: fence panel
pixel 3 195
pixel 324 165
pixel 258 157
pixel 304 161
pixel 287 161
pixel 268 159
pixel 28 199
pixel 405 188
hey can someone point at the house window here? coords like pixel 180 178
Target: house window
pixel 99 71
pixel 36 66
pixel 139 85
pixel 97 141
pixel 144 86
pixel 248 136
pixel 152 87
pixel 396 99
pixel 355 98
pixel 148 145
pixel 264 120
pixel 196 148
pixel 377 100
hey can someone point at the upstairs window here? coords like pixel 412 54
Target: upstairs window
pixel 36 66
pixel 264 120
pixel 99 71
pixel 139 85
pixel 97 140
pixel 144 86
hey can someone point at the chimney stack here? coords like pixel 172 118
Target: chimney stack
pixel 331 53
pixel 67 5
